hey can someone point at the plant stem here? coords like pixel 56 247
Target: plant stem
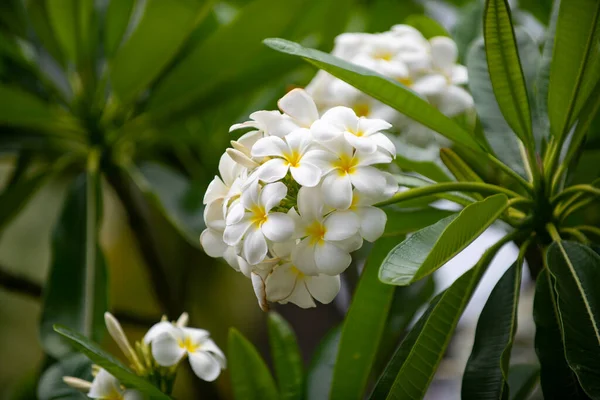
pixel 575 189
pixel 576 234
pixel 526 185
pixel 587 228
pixel 553 232
pixel 91 239
pixel 450 187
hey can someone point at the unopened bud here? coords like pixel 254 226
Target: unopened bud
pixel 116 331
pixel 259 290
pixel 183 319
pixel 241 158
pixel 240 147
pixel 76 383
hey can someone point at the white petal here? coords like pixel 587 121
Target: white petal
pixel 301 296
pixel 330 259
pixel 104 386
pixel 258 284
pixel 273 122
pixel 369 126
pixel 299 105
pixel 454 100
pixel 303 257
pixel 255 246
pixel 271 195
pixel 273 170
pixel 210 347
pixel 216 190
pixel 339 146
pixel 324 288
pixel 250 195
pixel 324 131
pixel 322 159
pixel 351 244
pixel 337 190
pixel 310 203
pixel 430 85
pixel 344 118
pixel 340 225
pixel 212 243
pixel 299 140
pixel 362 143
pixel 378 157
pixel 234 233
pixel 166 350
pixel 278 227
pixel 205 366
pixel 213 215
pixel 195 335
pixel 369 180
pixel 372 222
pixel 280 283
pixel 383 142
pixel 157 329
pixel 235 213
pixel 228 169
pixel 132 394
pixel 269 146
pixel 443 52
pixel 306 174
pixel 460 75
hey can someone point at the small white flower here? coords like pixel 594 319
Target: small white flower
pixel 300 106
pixel 251 219
pixel 372 219
pixel 292 153
pixel 363 134
pixel 105 386
pixel 171 343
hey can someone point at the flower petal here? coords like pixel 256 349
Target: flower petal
pixel 280 283
pixel 299 140
pixel 104 386
pixel 300 296
pixel 337 190
pixel 166 350
pixel 310 203
pixel 216 190
pixel 324 131
pixel 324 288
pixel 235 213
pixel 254 246
pixel 383 142
pixel 249 196
pixel 271 195
pixel 205 366
pixel 273 170
pixel 351 244
pixel 300 106
pixel 369 126
pixel 454 100
pixel 195 335
pixel 341 117
pixel 269 146
pixel 372 222
pixel 369 180
pixel 330 259
pixel 213 215
pixel 274 123
pixel 233 234
pixel 278 227
pixel 212 243
pixel 443 52
pixel 460 75
pixel 258 284
pixel 340 225
pixel 430 85
pixel 157 329
pixel 303 257
pixel 323 159
pixel 306 174
pixel 209 346
pixel 228 168
pixel 362 143
pixel 132 394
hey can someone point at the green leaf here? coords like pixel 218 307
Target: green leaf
pixel 382 14
pixel 430 248
pixel 460 169
pixel 468 27
pixel 320 371
pixel 17 196
pixel 414 363
pixel 116 22
pixel 427 26
pixel 38 15
pixel 401 221
pixel 505 69
pixel 574 46
pixel 76 291
pixel 381 88
pixel 62 15
pixel 522 380
pixel 250 377
pixel 359 341
pixel 576 269
pixel 487 370
pixel 105 360
pixel 557 379
pixel 155 41
pixel 286 358
pixel 428 169
pixel 51 385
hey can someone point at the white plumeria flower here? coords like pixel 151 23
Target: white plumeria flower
pixel 300 106
pixel 105 386
pixel 293 153
pixel 268 123
pixel 251 219
pixel 363 134
pixel 348 168
pixel 326 241
pixel 227 184
pixel 171 343
pixel 372 219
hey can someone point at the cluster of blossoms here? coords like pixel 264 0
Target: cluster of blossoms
pixel 295 197
pixel 155 358
pixel 428 67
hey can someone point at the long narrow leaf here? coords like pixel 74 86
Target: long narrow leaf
pixel 117 20
pixel 286 358
pixel 522 380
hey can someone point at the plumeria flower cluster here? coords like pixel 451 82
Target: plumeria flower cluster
pixel 428 67
pixel 155 358
pixel 295 197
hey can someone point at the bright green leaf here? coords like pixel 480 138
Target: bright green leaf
pixel 505 70
pixel 460 169
pixel 486 373
pixel 427 26
pixel 428 169
pixel 250 377
pixel 430 248
pixel 576 269
pixel 359 341
pixel 116 22
pixel 160 33
pixel 522 380
pixel 38 15
pixel 286 358
pixel 62 15
pixel 110 363
pixel 76 291
pixel 381 88
pixel 401 221
pixel 320 370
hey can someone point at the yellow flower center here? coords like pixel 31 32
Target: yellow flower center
pixel 406 81
pixel 114 395
pixel 188 345
pixel 362 110
pixel 316 233
pixel 293 158
pixel 354 201
pixel 297 272
pixel 259 215
pixel 384 55
pixel 346 164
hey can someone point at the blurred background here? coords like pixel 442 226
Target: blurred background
pixel 155 88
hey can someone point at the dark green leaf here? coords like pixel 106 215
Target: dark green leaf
pixel 110 364
pixel 117 20
pixel 359 341
pixel 486 373
pixel 382 14
pixel 38 15
pixel 557 379
pixel 381 88
pixel 76 292
pixel 155 41
pixel 62 15
pixel 522 380
pixel 401 221
pixel 51 385
pixel 576 269
pixel 427 26
pixel 430 248
pixel 250 377
pixel 286 358
pixel 574 46
pixel 428 169
pixel 506 73
pixel 320 370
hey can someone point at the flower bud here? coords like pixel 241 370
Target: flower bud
pixel 241 158
pixel 76 383
pixel 116 331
